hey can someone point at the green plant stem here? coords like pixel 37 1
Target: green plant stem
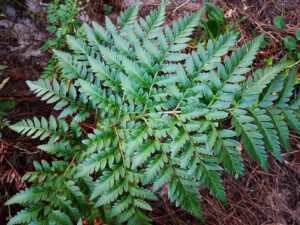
pixel 69 166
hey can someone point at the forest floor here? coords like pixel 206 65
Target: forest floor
pixel 256 198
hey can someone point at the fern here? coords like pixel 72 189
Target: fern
pixel 136 113
pixel 62 20
pixel 128 17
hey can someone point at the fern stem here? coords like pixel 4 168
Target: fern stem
pixel 156 138
pixel 119 114
pixel 69 166
pixel 166 112
pixel 122 154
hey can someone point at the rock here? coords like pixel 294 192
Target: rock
pixel 34 6
pixel 5 24
pixel 9 11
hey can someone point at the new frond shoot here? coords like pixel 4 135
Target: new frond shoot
pixel 137 113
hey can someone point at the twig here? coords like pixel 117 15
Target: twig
pixel 178 7
pixel 294 64
pixel 289 153
pixel 17 147
pixel 174 2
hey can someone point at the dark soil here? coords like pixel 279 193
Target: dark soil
pixel 256 198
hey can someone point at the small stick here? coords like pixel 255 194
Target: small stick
pixel 178 7
pixel 174 2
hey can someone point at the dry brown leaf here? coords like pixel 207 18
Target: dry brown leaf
pixel 98 221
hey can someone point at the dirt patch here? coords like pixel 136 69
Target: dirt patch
pixel 22 33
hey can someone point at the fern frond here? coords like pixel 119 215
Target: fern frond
pixel 41 128
pixel 135 73
pixel 295 105
pixel 68 68
pixel 98 162
pixel 51 69
pixel 144 152
pixel 136 139
pixel 269 96
pixel 122 45
pixel 164 177
pixel 207 175
pixel 110 27
pixel 142 193
pixel 98 96
pixel 266 128
pixel 29 195
pixel 292 120
pixel 243 57
pixel 102 72
pixel 185 197
pixel 153 21
pixel 64 97
pixel 101 33
pixel 60 217
pixel 67 213
pixel 78 46
pixel 97 36
pixel 27 215
pixel 212 55
pixel 225 149
pixel 121 205
pixel 107 180
pixel 251 137
pixel 58 149
pixel 288 88
pixel 112 194
pixel 183 29
pixel 129 16
pixel 98 140
pixel 154 167
pixel 139 218
pixel 73 189
pixel 268 75
pixel 281 127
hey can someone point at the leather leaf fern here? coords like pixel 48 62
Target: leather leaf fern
pixel 137 112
